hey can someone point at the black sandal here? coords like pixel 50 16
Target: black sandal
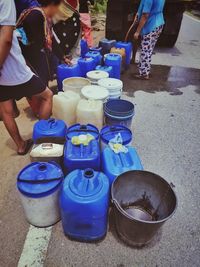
pixel 140 77
pixel 29 144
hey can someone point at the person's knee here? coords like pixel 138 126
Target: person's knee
pixel 46 95
pixel 7 109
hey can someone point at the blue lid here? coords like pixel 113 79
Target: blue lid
pixel 85 183
pixel 78 129
pixel 109 132
pixel 39 179
pixel 49 128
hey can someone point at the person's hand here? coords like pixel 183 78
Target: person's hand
pixel 136 35
pixel 67 61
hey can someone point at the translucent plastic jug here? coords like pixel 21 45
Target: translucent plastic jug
pixel 90 111
pixel 84 203
pixel 64 106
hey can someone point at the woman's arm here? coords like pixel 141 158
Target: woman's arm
pixel 142 22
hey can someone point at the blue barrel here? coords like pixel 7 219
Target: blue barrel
pixel 86 64
pixel 78 129
pixel 106 45
pixel 84 204
pixel 115 164
pixel 49 128
pixel 128 48
pixel 39 185
pixel 109 70
pixel 96 49
pixel 64 71
pixel 84 47
pixel 81 157
pixel 114 61
pixel 118 111
pixel 96 55
pixel 109 132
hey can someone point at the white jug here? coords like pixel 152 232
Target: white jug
pixel 64 106
pixel 90 111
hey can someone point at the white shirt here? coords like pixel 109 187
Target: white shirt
pixel 14 70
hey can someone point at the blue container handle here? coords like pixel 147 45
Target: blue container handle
pixel 83 128
pixel 116 129
pixel 52 122
pixel 43 181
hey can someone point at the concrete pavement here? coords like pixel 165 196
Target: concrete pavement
pixel 167 136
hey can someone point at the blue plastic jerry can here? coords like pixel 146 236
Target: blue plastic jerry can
pixel 96 56
pixel 114 61
pixel 82 156
pixel 49 128
pixel 115 164
pixel 84 48
pixel 84 203
pixel 106 45
pixel 65 71
pixel 86 64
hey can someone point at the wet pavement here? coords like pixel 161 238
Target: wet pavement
pixel 166 131
pixel 168 79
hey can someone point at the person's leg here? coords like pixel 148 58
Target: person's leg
pixel 7 110
pixel 144 56
pixel 46 104
pixel 148 44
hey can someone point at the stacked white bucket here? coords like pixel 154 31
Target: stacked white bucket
pixel 114 87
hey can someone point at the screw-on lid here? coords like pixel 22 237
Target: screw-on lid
pixel 111 83
pixel 95 92
pixel 109 132
pixel 97 74
pixel 85 183
pixel 39 179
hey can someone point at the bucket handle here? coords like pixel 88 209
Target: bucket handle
pixel 83 130
pixel 114 129
pixel 43 181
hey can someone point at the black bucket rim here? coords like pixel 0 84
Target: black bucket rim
pixel 116 204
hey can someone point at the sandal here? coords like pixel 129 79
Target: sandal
pixel 141 77
pixel 28 146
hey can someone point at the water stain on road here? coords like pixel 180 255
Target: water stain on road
pixel 164 79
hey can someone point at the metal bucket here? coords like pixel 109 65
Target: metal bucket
pixel 143 202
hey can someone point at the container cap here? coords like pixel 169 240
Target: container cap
pixel 109 132
pixel 78 129
pixel 39 179
pixel 97 74
pixel 85 183
pixel 111 83
pixel 95 92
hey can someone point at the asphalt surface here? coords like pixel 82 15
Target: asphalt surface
pixel 166 131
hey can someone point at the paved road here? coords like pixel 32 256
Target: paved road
pixel 167 136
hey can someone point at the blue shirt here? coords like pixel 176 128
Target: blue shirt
pixel 155 10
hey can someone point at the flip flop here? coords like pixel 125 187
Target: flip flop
pixel 29 144
pixel 139 77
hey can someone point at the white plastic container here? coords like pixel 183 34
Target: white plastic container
pixel 47 152
pixel 64 106
pixel 114 86
pixel 95 75
pixel 75 84
pixel 95 92
pixel 39 186
pixel 90 111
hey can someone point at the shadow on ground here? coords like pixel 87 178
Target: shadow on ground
pixel 164 78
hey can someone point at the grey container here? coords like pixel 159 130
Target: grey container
pixel 143 202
